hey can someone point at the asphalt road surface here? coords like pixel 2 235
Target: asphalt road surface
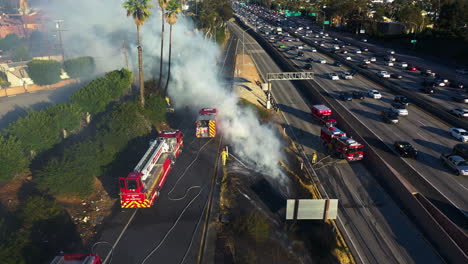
pixel 171 230
pixel 12 108
pixel 412 81
pixel 427 134
pixel 375 228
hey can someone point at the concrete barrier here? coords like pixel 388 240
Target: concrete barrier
pixel 449 240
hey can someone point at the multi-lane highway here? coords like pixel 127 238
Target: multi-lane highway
pixel 376 229
pixel 170 231
pixel 427 134
pixel 411 80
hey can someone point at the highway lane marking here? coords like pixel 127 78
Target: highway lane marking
pixel 422 136
pixel 455 204
pixel 339 220
pixel 119 237
pixel 421 123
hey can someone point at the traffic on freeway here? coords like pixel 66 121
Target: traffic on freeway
pixel 379 231
pixel 422 131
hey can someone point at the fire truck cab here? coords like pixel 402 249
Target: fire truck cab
pixel 206 123
pixel 77 259
pixel 340 145
pixel 323 114
pixel 141 187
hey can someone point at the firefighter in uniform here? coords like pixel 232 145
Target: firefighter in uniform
pixel 224 156
pixel 314 157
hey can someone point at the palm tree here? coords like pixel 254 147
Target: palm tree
pixel 172 13
pixel 162 5
pixel 140 11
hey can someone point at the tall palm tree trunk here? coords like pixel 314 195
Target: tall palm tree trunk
pixel 169 66
pixel 140 69
pixel 162 50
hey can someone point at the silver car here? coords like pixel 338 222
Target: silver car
pixel 455 163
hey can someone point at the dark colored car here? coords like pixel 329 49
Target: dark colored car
pixel 395 76
pixel 461 98
pixel 364 65
pixel 405 149
pixel 310 60
pixel 346 96
pixel 300 53
pixel 389 117
pixel 308 66
pixel 455 84
pixel 337 64
pixel 411 68
pixel 428 90
pixel 359 95
pixel 401 99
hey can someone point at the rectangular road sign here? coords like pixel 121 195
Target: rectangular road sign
pixel 326 22
pixel 414 41
pixel 319 209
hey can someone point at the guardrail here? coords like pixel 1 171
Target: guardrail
pixel 451 242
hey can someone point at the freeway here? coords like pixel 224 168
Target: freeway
pixel 170 231
pixel 375 228
pixel 412 81
pixel 427 134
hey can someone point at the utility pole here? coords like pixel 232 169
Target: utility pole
pixel 58 27
pixel 125 54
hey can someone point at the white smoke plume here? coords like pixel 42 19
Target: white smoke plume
pixel 97 28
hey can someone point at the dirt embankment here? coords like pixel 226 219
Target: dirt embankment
pixel 251 222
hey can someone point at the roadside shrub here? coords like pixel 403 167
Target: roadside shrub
pixel 38 208
pixel 37 131
pixel 44 72
pixel 66 116
pixel 12 158
pixel 21 53
pixel 71 173
pixel 95 96
pixel 80 67
pixel 117 128
pixel 40 130
pixel 155 109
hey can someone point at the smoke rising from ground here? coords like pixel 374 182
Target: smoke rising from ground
pixel 97 28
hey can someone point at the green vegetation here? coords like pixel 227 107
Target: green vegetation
pixel 256 226
pixel 81 67
pixel 155 110
pixel 21 53
pixel 12 158
pixel 139 10
pixel 211 16
pixel 10 42
pixel 41 130
pixel 95 96
pixel 72 172
pixel 39 218
pixel 262 113
pixel 44 72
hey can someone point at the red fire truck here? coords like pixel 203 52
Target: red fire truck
pixel 341 145
pixel 141 187
pixel 76 259
pixel 206 123
pixel 323 114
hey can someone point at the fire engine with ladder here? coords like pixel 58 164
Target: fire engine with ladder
pixel 77 259
pixel 341 145
pixel 206 123
pixel 141 187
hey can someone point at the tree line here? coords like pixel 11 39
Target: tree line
pixel 446 16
